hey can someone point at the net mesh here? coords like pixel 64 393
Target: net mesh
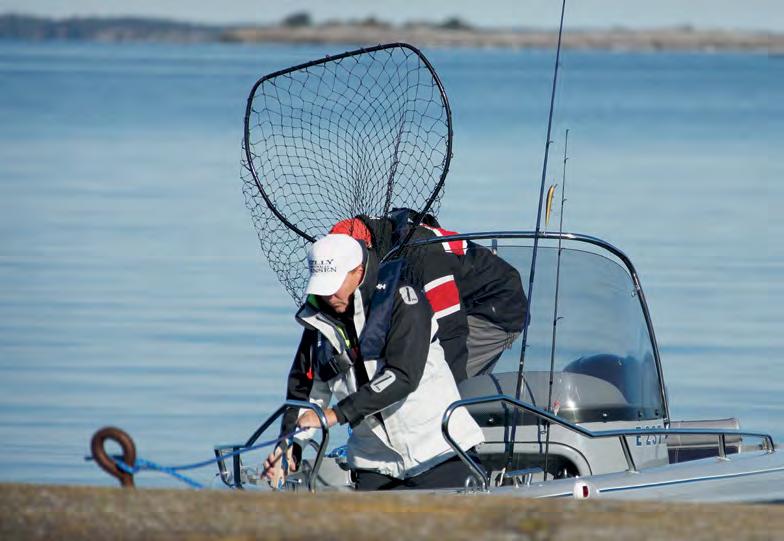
pixel 360 133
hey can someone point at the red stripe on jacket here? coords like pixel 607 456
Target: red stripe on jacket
pixel 457 247
pixel 443 296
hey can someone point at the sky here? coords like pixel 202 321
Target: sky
pixel 725 14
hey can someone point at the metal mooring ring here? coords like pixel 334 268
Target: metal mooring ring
pixel 105 461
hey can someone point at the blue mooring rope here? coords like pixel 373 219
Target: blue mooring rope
pixel 142 464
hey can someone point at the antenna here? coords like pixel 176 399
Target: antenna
pixel 510 446
pixel 555 306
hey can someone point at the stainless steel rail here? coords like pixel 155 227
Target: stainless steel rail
pixel 483 479
pixel 236 464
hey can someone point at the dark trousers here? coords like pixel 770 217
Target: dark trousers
pixel 449 474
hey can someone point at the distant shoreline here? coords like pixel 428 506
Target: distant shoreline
pixel 612 40
pixel 362 33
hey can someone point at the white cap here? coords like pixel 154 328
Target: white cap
pixel 330 259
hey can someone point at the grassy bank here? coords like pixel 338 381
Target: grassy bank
pixel 60 512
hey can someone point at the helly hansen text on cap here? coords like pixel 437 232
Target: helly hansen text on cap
pixel 330 259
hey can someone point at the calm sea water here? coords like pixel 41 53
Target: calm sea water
pixel 133 291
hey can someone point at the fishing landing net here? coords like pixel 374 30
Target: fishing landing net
pixel 362 132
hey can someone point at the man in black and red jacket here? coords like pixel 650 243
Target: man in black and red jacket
pixel 476 296
pixel 370 351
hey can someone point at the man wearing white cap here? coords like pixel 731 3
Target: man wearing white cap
pixel 370 342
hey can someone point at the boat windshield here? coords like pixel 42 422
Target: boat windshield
pixel 604 364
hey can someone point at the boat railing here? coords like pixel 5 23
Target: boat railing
pixel 234 479
pixel 483 479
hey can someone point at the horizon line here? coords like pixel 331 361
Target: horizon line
pixel 358 21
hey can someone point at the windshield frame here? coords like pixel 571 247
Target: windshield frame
pixel 495 236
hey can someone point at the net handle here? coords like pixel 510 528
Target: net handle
pixel 328 58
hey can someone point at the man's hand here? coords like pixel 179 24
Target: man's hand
pixel 273 467
pixel 309 419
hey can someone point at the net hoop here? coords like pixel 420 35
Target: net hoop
pixel 247 146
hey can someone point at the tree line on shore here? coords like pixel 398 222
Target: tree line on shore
pixel 28 27
pixel 451 32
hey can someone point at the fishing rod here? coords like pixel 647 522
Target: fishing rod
pixel 518 389
pixel 550 406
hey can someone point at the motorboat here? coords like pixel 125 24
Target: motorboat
pixel 602 428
